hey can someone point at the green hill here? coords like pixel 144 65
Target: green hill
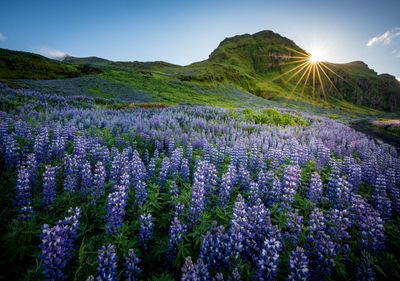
pixel 253 65
pixel 24 65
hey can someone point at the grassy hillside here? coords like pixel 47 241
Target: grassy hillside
pixel 243 70
pixel 23 65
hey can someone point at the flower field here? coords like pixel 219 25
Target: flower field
pixel 89 192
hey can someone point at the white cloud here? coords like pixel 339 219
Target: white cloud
pixel 385 38
pixel 2 37
pixel 51 53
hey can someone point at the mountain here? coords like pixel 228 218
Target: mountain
pixel 24 65
pixel 243 67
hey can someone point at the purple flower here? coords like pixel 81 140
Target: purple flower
pixel 380 200
pixel 87 178
pixel 267 264
pixel 298 265
pixel 290 181
pixel 146 229
pixel 369 224
pixel 99 179
pixel 165 168
pixel 140 193
pixel 197 271
pixel 49 186
pixel 116 203
pixel 239 228
pixel 107 264
pixel 57 244
pixel 314 192
pixel 132 269
pixel 176 232
pixel 227 183
pixel 214 249
pixel 198 196
pixel 23 190
pixel 321 250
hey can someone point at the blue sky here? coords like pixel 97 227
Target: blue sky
pixel 183 32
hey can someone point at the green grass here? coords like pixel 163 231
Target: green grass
pixel 22 65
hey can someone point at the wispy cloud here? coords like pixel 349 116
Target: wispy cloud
pixel 51 53
pixel 385 38
pixel 396 52
pixel 2 37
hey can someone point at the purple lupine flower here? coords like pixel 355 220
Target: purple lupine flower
pixel 338 190
pixel 257 229
pixel 179 209
pixel 227 183
pixel 189 152
pixel 140 193
pixel 298 265
pixel 294 225
pixel 99 179
pixel 197 271
pixel 132 269
pixel 173 190
pixel 267 264
pixel 137 168
pixel 116 203
pixel 369 224
pixel 49 186
pixel 369 170
pixel 320 248
pixel 176 160
pixel 118 167
pixel 274 193
pixel 339 222
pixel 107 264
pixel 41 146
pixel 31 165
pixel 238 231
pixel 198 196
pixel 146 228
pixel 11 152
pixel 87 178
pixel 176 232
pixel 57 245
pixel 393 190
pixel 70 183
pixel 314 192
pixel 25 213
pixel 185 169
pixel 380 200
pixel 243 178
pixel 322 156
pixel 254 193
pixel 165 168
pixel 355 175
pixel 23 190
pixel 290 181
pixel 214 249
pixel 152 167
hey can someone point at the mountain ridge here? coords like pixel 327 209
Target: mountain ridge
pixel 254 63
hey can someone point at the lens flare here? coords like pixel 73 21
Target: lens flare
pixel 309 68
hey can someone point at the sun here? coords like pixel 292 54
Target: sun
pixel 308 68
pixel 317 55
